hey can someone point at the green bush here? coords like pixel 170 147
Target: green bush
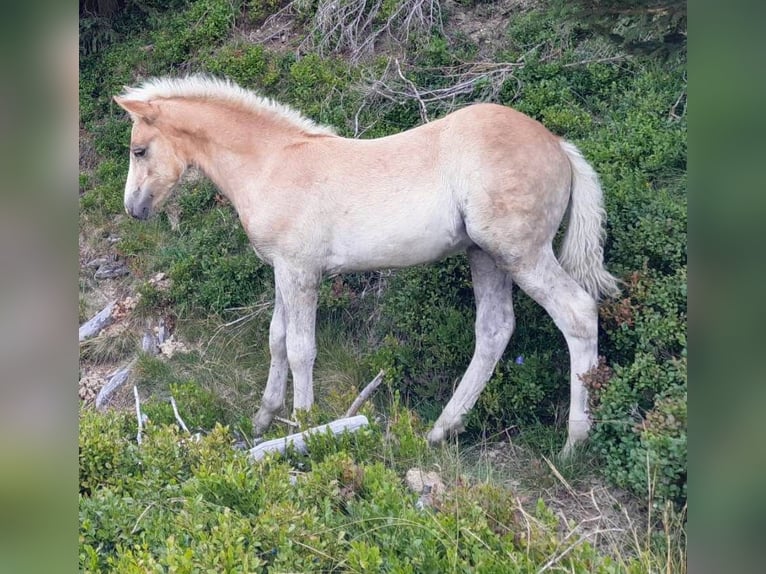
pixel 200 409
pixel 642 450
pixel 211 265
pixel 199 505
pixel 106 456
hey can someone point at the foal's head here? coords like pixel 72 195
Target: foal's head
pixel 155 162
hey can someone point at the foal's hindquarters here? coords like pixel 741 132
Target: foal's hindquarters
pixel 512 208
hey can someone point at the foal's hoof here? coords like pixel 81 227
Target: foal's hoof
pixel 441 433
pixel 436 436
pixel 577 435
pixel 261 423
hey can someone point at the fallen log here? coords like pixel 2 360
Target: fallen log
pixel 97 323
pixel 116 380
pixel 298 440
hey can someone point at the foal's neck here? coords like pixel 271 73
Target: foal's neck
pixel 230 145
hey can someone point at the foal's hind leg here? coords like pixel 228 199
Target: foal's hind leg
pixel 494 325
pixel 575 313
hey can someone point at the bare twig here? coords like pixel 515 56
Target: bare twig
pixel 147 509
pixel 253 311
pixel 416 94
pixel 482 80
pixel 365 394
pixel 138 415
pixel 354 26
pixel 559 476
pixel 178 416
pixel 575 544
pixel 287 422
pixel 681 98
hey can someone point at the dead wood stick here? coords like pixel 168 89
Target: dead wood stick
pixel 138 415
pixel 287 422
pixel 116 380
pixel 365 394
pixel 298 440
pixel 178 417
pixel 97 323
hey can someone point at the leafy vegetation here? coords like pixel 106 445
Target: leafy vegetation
pixel 185 505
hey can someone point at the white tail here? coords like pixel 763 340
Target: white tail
pixel 582 252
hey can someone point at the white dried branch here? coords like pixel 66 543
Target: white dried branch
pixel 482 80
pixel 116 380
pixel 98 322
pixel 354 26
pixel 298 440
pixel 365 394
pixel 414 89
pixel 138 415
pixel 288 422
pixel 178 416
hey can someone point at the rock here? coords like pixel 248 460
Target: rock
pixel 98 262
pixel 149 343
pixel 111 270
pixel 420 481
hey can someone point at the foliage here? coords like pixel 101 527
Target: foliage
pixel 202 410
pixel 639 26
pixel 105 453
pixel 199 505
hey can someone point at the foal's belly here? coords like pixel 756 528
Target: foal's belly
pixel 387 242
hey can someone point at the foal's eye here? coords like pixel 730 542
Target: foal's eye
pixel 139 151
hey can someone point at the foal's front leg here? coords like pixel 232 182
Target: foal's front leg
pixel 300 291
pixel 274 395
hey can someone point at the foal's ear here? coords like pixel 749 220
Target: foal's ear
pixel 138 109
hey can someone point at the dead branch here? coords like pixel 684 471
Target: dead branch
pixel 414 89
pixel 298 440
pixel 178 416
pixel 355 26
pixel 482 80
pixel 98 322
pixel 116 380
pixel 138 415
pixel 365 394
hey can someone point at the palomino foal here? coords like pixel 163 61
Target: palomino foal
pixel 485 179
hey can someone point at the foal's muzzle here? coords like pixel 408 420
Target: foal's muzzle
pixel 139 206
pixel 138 212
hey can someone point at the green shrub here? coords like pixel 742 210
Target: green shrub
pixel 108 190
pixel 199 505
pixel 425 312
pixel 106 456
pixel 246 64
pixel 200 409
pixel 201 26
pixel 209 260
pixel 641 428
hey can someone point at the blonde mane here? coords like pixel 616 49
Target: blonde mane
pixel 224 90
